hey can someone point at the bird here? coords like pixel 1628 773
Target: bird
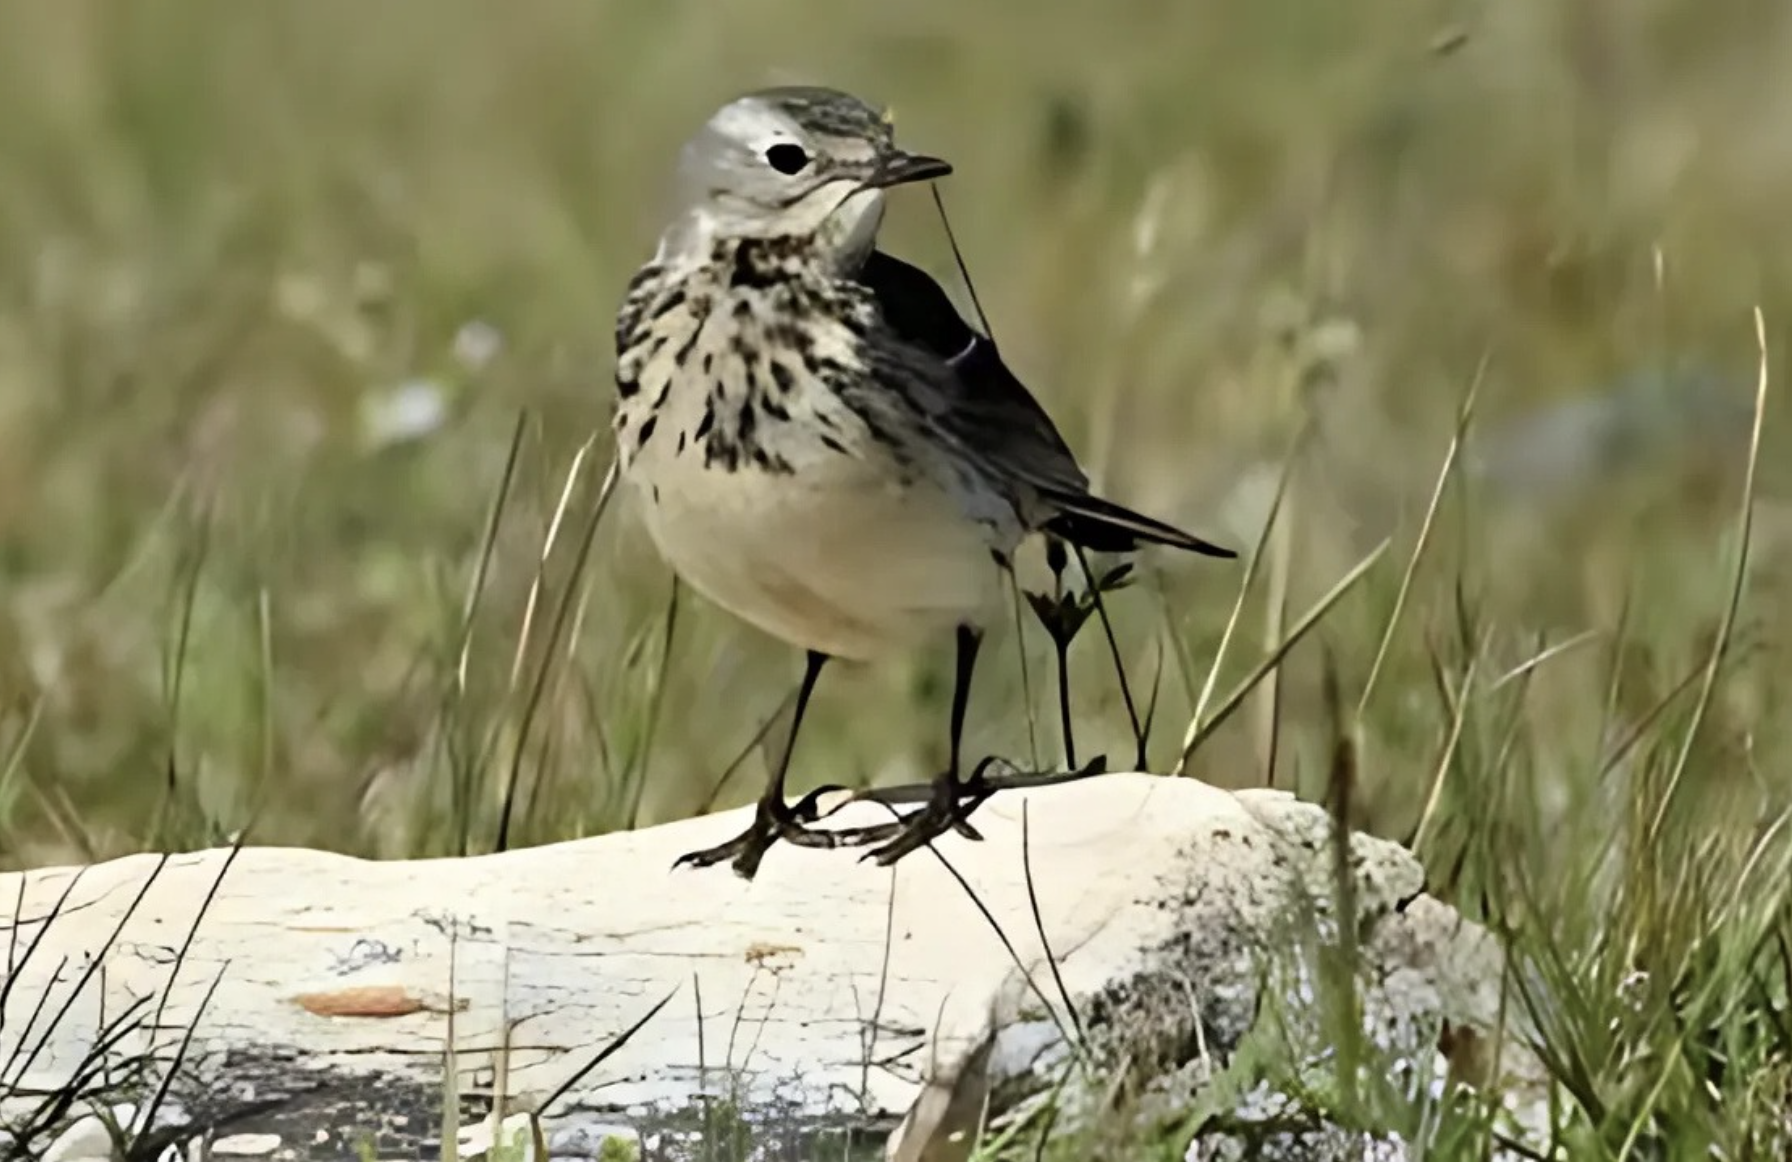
pixel 816 440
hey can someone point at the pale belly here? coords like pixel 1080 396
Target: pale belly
pixel 845 562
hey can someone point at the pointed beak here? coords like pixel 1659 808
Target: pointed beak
pixel 897 168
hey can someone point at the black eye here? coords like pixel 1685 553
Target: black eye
pixel 787 158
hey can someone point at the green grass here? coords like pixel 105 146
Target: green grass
pixel 230 234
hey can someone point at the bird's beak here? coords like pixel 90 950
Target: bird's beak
pixel 897 168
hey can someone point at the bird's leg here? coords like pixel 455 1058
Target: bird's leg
pixel 946 786
pixel 943 811
pixel 774 819
pixel 1063 632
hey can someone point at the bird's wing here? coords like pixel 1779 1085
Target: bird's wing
pixel 991 411
pixel 989 407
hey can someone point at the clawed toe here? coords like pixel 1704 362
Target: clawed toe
pixel 948 809
pixel 708 857
pixel 745 849
pixel 949 805
pixel 916 832
pixel 748 848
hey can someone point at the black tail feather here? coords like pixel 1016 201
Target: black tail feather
pixel 1105 527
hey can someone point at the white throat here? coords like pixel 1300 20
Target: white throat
pixel 847 233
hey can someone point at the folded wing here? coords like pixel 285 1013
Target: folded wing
pixel 993 412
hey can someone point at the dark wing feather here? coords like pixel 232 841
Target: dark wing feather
pixel 995 413
pixel 996 406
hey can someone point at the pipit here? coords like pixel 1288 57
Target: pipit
pixel 819 443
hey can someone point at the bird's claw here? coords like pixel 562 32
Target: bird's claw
pixel 773 821
pixel 950 805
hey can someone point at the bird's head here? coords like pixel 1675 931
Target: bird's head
pixel 791 162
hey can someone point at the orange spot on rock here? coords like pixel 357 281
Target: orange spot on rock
pixel 759 952
pixel 379 1000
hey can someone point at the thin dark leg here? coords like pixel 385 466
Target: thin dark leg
pixel 774 819
pixel 943 811
pixel 774 791
pixel 970 639
pixel 1057 560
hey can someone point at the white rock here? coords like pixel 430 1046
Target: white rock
pixel 247 1145
pixel 826 990
pixel 87 1140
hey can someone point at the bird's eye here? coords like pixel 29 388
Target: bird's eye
pixel 787 158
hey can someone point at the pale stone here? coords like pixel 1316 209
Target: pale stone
pixel 826 992
pixel 247 1144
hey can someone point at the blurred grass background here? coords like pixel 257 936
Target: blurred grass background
pixel 278 285
pixel 305 322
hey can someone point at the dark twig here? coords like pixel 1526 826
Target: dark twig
pixel 964 271
pixel 604 1054
pixel 96 1064
pixel 93 965
pixel 146 1143
pixel 1096 585
pixel 1051 958
pixel 15 968
pixel 148 1112
pixel 1007 944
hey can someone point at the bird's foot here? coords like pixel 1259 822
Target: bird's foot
pixel 950 803
pixel 774 820
pixel 944 812
pixel 947 806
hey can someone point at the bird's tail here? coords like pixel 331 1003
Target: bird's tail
pixel 1105 527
